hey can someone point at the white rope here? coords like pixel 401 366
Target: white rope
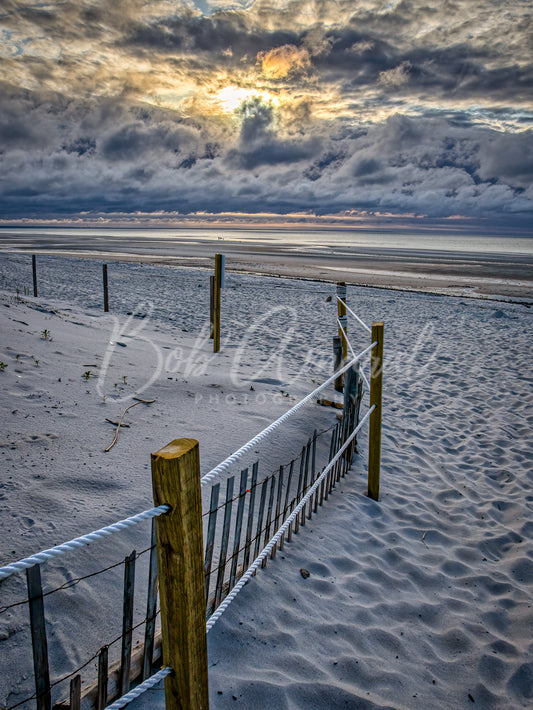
pixel 283 529
pixel 46 555
pixel 355 315
pixel 361 371
pixel 367 383
pixel 345 336
pixel 244 449
pixel 140 689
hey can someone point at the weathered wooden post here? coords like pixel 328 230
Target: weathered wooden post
pixel 337 362
pixel 211 307
pixel 106 290
pixel 38 638
pixel 218 283
pixel 34 269
pixel 351 387
pixel 343 318
pixel 127 623
pixel 103 668
pixel 176 482
pixel 374 439
pixel 75 693
pixel 151 608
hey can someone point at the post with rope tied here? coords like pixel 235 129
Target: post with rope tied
pixel 342 319
pixel 176 482
pixel 374 437
pixel 340 341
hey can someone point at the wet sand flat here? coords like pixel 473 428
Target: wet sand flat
pixel 506 274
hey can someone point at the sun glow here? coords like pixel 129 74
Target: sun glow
pixel 231 97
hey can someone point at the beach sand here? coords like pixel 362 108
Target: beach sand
pixel 420 600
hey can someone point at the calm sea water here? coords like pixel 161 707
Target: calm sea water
pixel 101 238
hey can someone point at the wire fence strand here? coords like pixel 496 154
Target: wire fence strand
pixel 76 580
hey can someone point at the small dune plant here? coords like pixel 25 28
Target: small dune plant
pixel 3 366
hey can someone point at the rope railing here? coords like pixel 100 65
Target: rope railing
pixel 283 529
pixel 361 371
pixel 149 683
pixel 361 322
pixel 281 420
pixel 345 336
pixel 365 380
pixel 65 547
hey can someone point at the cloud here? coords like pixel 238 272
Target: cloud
pixel 343 106
pixel 508 158
pixel 260 144
pixel 284 61
pixel 395 77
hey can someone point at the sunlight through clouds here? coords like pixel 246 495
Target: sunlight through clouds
pixel 266 104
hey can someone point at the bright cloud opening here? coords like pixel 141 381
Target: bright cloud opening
pixel 231 97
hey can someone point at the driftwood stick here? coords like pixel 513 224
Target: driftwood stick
pixel 124 426
pixel 138 401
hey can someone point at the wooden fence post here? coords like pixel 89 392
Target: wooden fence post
pixel 374 438
pixel 38 638
pixel 343 318
pixel 34 269
pixel 337 361
pixel 151 608
pixel 211 307
pixel 216 301
pixel 176 482
pixel 103 669
pixel 351 387
pixel 106 289
pixel 75 693
pixel 127 623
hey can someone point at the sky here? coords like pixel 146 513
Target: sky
pixel 172 109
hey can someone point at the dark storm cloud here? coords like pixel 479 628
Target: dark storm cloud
pixel 137 139
pixel 508 158
pixel 272 152
pixel 192 34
